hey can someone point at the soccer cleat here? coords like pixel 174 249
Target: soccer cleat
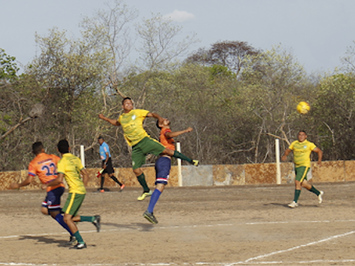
pixel 72 241
pixel 293 204
pixel 150 217
pixel 144 195
pixel 79 246
pixel 102 190
pixel 96 222
pixel 320 199
pixel 195 162
pixel 122 187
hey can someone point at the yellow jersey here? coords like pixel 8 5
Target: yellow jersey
pixel 70 166
pixel 302 152
pixel 132 125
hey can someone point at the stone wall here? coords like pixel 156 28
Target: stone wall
pixel 211 175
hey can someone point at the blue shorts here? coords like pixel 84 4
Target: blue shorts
pixel 162 170
pixel 52 200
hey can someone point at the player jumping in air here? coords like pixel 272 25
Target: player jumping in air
pixel 302 149
pixel 162 166
pixel 142 144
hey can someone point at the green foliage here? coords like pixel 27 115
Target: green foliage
pixel 8 66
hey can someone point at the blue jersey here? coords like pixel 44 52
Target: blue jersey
pixel 103 150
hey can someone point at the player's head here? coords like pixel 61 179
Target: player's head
pixel 37 147
pixel 302 136
pixel 100 139
pixel 164 123
pixel 63 146
pixel 127 104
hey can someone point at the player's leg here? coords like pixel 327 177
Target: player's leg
pixel 70 209
pixel 102 181
pixel 300 175
pixel 312 189
pixel 181 156
pixel 53 207
pixel 138 159
pixel 111 172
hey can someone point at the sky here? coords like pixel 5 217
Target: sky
pixel 316 32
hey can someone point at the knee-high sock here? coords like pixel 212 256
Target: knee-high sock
pixel 102 181
pixel 314 190
pixel 60 220
pixel 297 195
pixel 182 156
pixel 153 200
pixel 141 180
pixel 116 180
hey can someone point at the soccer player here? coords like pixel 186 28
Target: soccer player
pixel 162 166
pixel 142 144
pixel 71 168
pixel 45 167
pixel 105 156
pixel 302 149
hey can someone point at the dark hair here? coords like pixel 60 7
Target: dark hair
pixel 302 131
pixel 126 98
pixel 37 147
pixel 157 124
pixel 63 146
pixel 100 137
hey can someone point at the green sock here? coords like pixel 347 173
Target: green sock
pixel 182 156
pixel 87 218
pixel 141 180
pixel 314 190
pixel 297 195
pixel 78 237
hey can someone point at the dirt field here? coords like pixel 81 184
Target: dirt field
pixel 240 225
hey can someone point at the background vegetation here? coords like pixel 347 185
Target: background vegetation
pixel 237 99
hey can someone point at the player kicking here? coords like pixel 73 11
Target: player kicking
pixel 162 166
pixel 142 144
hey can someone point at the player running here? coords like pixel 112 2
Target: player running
pixel 162 165
pixel 142 144
pixel 302 149
pixel 45 167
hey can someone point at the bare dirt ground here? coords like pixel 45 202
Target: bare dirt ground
pixel 239 225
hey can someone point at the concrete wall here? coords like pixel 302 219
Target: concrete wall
pixel 211 175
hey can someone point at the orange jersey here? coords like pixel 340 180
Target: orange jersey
pixel 167 142
pixel 45 167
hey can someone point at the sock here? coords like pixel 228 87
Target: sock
pixel 60 220
pixel 314 190
pixel 141 180
pixel 102 182
pixel 182 156
pixel 297 195
pixel 153 200
pixel 78 237
pixel 116 180
pixel 87 218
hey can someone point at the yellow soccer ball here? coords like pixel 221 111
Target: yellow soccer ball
pixel 303 108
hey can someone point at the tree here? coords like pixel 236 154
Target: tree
pixel 232 54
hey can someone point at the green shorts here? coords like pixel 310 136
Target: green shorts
pixel 301 173
pixel 143 148
pixel 73 203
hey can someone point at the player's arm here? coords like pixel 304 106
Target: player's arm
pixel 104 163
pixel 320 154
pixel 24 183
pixel 174 134
pixel 54 182
pixel 155 115
pixel 287 152
pixel 113 122
pixel 84 176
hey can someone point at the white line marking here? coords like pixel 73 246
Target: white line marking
pixel 300 246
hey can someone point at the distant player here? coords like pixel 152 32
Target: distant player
pixel 45 167
pixel 71 168
pixel 142 144
pixel 106 164
pixel 162 166
pixel 302 149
